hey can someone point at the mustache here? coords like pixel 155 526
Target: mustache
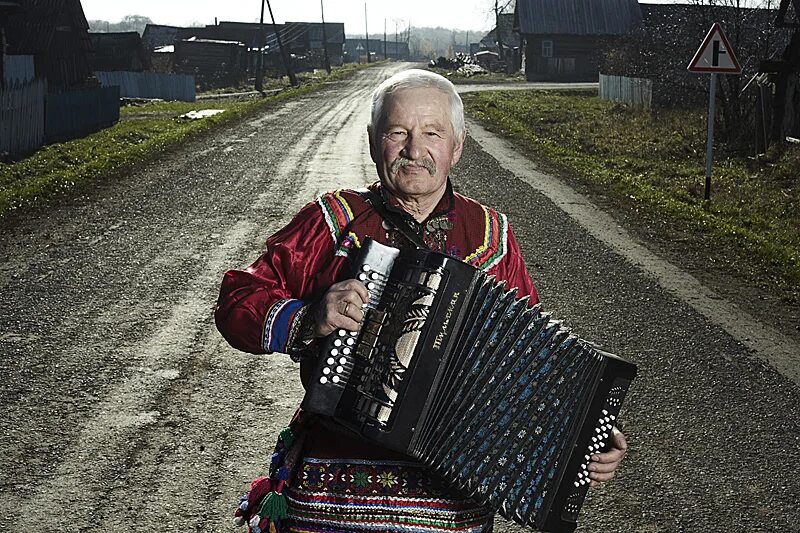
pixel 402 162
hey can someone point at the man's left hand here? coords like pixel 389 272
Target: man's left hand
pixel 603 466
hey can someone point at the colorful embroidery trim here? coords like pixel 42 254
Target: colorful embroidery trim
pixel 495 241
pixel 349 243
pixel 337 213
pixel 279 324
pixel 355 496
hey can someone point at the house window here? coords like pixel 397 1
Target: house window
pixel 547 48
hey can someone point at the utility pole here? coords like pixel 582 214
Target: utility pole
pixel 260 60
pixel 366 30
pixel 385 56
pixel 325 39
pixel 285 57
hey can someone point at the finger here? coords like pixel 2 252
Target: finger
pixel 601 476
pixel 354 311
pixel 352 285
pixel 603 468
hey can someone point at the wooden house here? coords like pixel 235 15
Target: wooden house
pixel 122 51
pixel 56 34
pixel 214 63
pixel 505 42
pixel 564 38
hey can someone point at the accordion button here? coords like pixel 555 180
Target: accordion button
pixel 366 268
pixel 351 341
pixel 323 380
pixel 374 275
pixel 334 352
pixel 335 379
pixel 331 360
pixel 341 333
pixel 343 361
pixel 326 370
pixel 577 484
pixel 371 286
pixel 346 351
pixel 337 342
pixel 339 369
pixel 362 277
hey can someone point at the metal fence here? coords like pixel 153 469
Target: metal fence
pixel 151 85
pixel 636 92
pixel 18 69
pixel 22 111
pixel 73 114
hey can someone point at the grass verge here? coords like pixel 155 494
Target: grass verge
pixel 143 132
pixel 655 162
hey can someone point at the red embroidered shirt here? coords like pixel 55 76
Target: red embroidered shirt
pixel 259 307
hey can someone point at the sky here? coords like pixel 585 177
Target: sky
pixel 474 15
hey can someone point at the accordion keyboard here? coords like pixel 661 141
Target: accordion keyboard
pixel 337 355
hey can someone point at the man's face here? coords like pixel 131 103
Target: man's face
pixel 415 145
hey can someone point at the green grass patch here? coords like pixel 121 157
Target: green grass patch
pixel 143 132
pixel 656 160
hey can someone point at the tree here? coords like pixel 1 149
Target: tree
pixel 128 23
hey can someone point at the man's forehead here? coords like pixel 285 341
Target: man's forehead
pixel 429 102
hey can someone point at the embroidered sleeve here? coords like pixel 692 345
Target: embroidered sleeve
pixel 495 241
pixel 258 310
pixel 511 269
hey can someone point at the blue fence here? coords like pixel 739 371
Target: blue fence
pixel 150 85
pixel 22 117
pixel 74 114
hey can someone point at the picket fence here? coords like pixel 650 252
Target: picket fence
pixel 636 92
pixel 151 85
pixel 22 110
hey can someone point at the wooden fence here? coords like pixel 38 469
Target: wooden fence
pixel 22 111
pixel 636 92
pixel 150 85
pixel 73 114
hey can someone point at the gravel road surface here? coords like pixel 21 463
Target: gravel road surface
pixel 122 409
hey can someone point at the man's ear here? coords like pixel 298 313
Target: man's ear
pixel 458 148
pixel 374 151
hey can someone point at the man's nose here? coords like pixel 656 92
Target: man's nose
pixel 414 148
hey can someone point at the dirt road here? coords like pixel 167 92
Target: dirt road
pixel 124 410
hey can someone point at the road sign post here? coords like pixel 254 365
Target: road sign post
pixel 715 56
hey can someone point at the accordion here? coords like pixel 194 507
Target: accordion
pixel 487 391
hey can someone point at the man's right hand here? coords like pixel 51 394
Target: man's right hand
pixel 340 308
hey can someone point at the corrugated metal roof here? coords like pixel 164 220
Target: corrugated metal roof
pixel 577 17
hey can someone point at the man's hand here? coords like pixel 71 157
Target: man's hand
pixel 604 465
pixel 341 307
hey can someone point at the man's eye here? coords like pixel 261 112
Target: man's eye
pixel 396 134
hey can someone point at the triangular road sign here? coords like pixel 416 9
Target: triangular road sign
pixel 715 55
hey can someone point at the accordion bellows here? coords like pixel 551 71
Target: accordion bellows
pixel 492 394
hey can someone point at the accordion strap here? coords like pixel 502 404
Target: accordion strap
pixel 392 218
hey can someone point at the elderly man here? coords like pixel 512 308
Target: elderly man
pixel 299 290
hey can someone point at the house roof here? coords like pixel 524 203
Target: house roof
pixel 577 17
pixel 158 35
pixel 30 29
pixel 510 37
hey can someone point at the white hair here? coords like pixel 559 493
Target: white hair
pixel 416 79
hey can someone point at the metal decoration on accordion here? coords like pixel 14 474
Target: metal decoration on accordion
pixel 491 393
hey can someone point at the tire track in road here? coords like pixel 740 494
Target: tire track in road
pixel 130 463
